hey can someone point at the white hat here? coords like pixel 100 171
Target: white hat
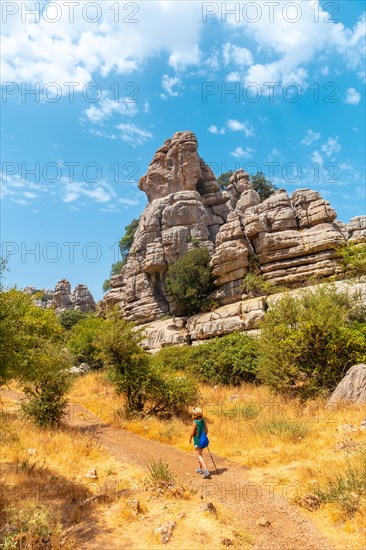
pixel 197 411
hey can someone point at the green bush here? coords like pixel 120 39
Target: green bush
pixel 308 343
pixel 189 281
pixel 46 387
pixel 353 259
pixel 81 340
pixel 147 387
pixel 256 285
pixel 71 317
pixel 173 358
pixel 170 393
pixel 230 359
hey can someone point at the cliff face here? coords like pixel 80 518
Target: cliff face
pixel 292 238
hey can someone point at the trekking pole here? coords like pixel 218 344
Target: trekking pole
pixel 213 460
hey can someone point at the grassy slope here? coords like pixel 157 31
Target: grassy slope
pixel 48 489
pixel 293 447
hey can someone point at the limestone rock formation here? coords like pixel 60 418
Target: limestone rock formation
pixel 242 316
pixel 288 238
pixel 81 298
pixel 61 298
pixel 352 387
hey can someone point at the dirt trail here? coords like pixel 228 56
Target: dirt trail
pixel 288 529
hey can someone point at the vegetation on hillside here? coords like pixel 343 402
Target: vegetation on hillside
pixel 189 281
pixel 308 342
pixel 32 353
pixel 353 259
pixel 124 248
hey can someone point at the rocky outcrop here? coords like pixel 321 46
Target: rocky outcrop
pixel 287 238
pixel 61 298
pixel 242 316
pixel 352 387
pixel 81 298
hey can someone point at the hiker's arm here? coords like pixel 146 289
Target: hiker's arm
pixel 193 432
pixel 206 428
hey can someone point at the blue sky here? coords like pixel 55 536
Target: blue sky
pixel 296 71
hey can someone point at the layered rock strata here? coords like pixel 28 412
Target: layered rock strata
pixel 289 239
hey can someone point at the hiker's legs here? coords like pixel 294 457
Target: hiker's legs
pixel 201 462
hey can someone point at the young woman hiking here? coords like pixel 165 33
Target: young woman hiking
pixel 199 425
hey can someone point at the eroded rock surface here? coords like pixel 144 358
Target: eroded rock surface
pixel 352 387
pixel 62 298
pixel 290 238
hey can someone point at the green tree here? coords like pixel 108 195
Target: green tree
pixel 46 386
pixel 31 352
pixel 71 317
pixel 189 281
pixel 147 387
pixel 124 246
pixel 307 343
pixel 223 179
pixel 264 187
pixel 118 348
pixel 231 359
pixel 126 241
pixel 81 340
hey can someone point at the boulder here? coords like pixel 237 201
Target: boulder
pixel 352 387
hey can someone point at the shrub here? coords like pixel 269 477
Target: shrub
pixel 46 387
pixel 189 281
pixel 291 430
pixel 230 359
pixel 71 317
pixel 308 342
pixel 173 358
pixel 347 488
pixel 33 526
pixel 81 340
pixel 170 393
pixel 255 285
pixel 353 259
pixel 160 475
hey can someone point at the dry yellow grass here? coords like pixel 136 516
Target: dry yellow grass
pixel 43 472
pixel 292 446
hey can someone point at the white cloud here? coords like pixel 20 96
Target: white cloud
pixel 236 126
pixel 310 137
pixel 101 192
pixel 97 114
pixel 317 158
pixel 62 52
pixel 331 146
pixel 236 55
pixel 234 76
pixel 239 152
pixel 215 130
pixel 291 46
pixel 325 70
pixel 169 83
pixel 133 135
pixel 353 97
